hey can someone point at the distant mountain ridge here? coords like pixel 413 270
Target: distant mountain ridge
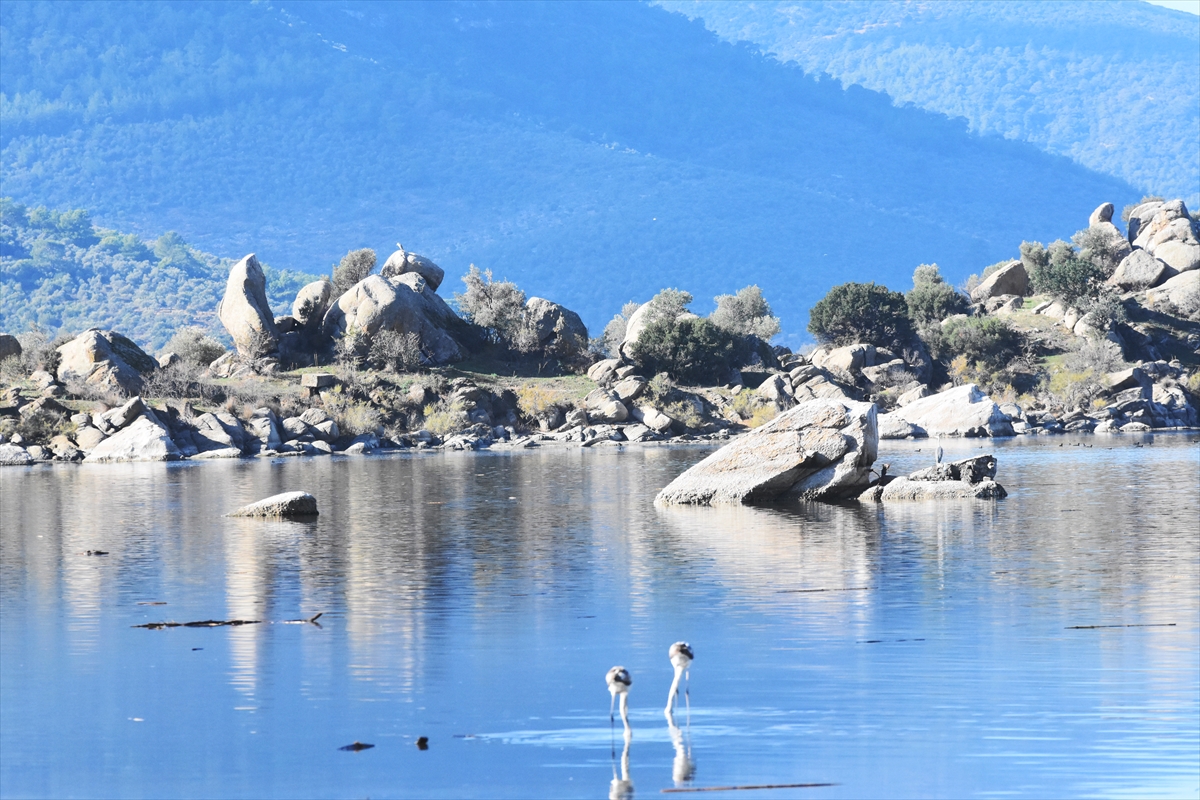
pixel 592 152
pixel 1113 85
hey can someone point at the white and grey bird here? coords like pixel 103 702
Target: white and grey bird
pixel 937 454
pixel 619 681
pixel 681 656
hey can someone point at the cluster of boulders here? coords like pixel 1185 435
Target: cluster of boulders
pixel 1158 261
pixel 402 298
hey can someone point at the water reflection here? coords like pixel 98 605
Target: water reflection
pixel 443 578
pixel 683 767
pixel 621 788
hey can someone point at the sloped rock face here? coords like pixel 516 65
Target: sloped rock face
pixel 961 411
pixel 105 358
pixel 404 304
pixel 819 450
pixel 287 504
pixel 245 312
pixel 1009 279
pixel 1183 290
pixel 402 262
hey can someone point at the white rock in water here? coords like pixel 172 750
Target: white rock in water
pixel 12 455
pixel 288 504
pixel 819 450
pixel 961 411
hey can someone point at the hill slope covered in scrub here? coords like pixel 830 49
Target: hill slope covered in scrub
pixel 58 272
pixel 592 153
pixel 1113 85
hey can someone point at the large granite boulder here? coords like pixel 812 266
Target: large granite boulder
pixel 603 405
pixel 402 262
pixel 1139 270
pixel 145 439
pixel 1172 236
pixel 311 303
pixel 848 360
pixel 12 455
pixel 105 358
pixel 1103 213
pixel 405 304
pixel 1009 279
pixel 961 411
pixel 245 312
pixel 9 346
pixel 558 330
pixel 819 450
pixel 287 504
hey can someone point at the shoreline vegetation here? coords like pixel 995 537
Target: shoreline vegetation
pixel 1101 333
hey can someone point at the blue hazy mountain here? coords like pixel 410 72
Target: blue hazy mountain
pixel 592 152
pixel 1113 85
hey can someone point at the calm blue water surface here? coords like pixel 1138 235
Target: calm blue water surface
pixel 919 650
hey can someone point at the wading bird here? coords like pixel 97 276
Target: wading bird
pixel 681 656
pixel 937 454
pixel 619 681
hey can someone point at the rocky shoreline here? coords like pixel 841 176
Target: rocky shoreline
pixel 369 362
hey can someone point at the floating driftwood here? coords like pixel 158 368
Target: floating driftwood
pixel 356 747
pixel 204 623
pixel 221 623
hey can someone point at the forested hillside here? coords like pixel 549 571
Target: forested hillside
pixel 58 272
pixel 593 153
pixel 1113 85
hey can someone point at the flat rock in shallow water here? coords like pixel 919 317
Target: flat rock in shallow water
pixel 819 450
pixel 288 504
pixel 905 489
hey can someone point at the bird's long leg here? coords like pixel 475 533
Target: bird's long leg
pixel 671 695
pixel 687 696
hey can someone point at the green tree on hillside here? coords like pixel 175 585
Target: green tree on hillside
pixel 861 312
pixel 932 299
pixel 354 266
pixel 745 314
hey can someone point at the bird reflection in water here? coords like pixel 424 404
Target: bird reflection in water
pixel 683 769
pixel 619 681
pixel 621 788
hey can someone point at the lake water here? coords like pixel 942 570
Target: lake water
pixel 478 599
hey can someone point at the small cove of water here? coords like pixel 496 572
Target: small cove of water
pixel 914 650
